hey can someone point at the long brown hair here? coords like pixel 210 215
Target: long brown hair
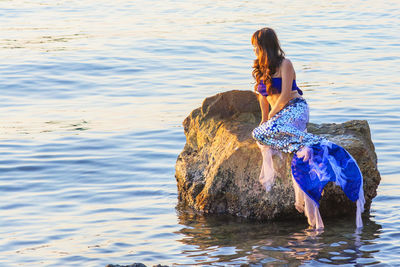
pixel 269 58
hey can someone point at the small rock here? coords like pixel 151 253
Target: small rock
pixel 135 265
pixel 132 265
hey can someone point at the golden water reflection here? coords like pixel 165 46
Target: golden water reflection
pixel 213 239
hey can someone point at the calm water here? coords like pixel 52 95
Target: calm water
pixel 93 94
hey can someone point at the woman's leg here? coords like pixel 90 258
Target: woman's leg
pixel 286 130
pixel 267 174
pixel 281 133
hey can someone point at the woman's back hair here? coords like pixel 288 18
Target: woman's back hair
pixel 270 57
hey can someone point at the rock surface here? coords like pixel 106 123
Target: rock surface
pixel 219 167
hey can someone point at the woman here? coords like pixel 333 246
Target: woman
pixel 284 117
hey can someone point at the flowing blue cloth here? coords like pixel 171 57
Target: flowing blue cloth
pixel 324 162
pixel 328 163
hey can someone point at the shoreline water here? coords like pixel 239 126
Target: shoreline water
pixel 93 99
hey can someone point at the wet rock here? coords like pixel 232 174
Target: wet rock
pixel 218 169
pixel 132 265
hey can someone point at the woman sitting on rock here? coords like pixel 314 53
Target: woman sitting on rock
pixel 284 117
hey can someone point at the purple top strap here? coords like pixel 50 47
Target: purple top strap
pixel 277 84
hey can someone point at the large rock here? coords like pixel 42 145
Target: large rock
pixel 218 169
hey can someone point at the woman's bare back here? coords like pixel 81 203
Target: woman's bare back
pixel 274 97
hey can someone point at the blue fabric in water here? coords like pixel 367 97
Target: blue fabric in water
pixel 328 163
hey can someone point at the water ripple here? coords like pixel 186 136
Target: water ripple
pixel 93 99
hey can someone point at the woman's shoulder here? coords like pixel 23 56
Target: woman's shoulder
pixel 287 67
pixel 286 63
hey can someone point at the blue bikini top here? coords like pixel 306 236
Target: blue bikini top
pixel 277 84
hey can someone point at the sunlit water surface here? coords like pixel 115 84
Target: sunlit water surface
pixel 93 94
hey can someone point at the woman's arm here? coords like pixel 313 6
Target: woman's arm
pixel 287 72
pixel 264 105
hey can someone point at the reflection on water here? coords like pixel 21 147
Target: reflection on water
pixel 93 95
pixel 217 239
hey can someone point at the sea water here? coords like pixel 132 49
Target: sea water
pixel 93 94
